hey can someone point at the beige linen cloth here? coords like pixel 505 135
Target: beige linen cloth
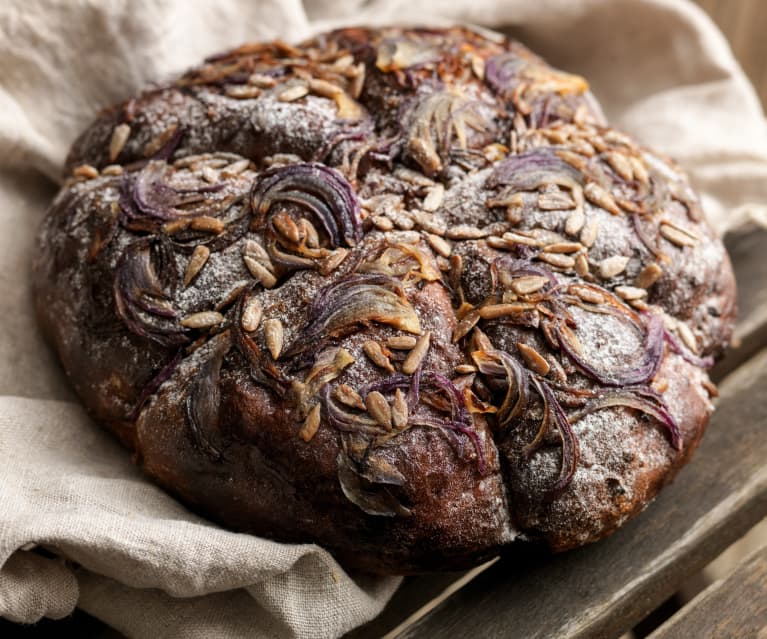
pixel 128 553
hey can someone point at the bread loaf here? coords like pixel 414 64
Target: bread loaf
pixel 402 293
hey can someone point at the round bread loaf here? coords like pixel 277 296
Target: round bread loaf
pixel 399 292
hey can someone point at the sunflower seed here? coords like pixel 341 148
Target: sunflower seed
pixel 251 315
pixel 677 235
pixel 399 411
pixel 463 327
pixel 575 160
pixel 466 232
pixel 160 140
pixel 86 171
pixel 441 247
pixel 242 91
pixel 296 92
pixel 629 293
pixel 583 147
pixel 347 395
pixel 196 262
pixel 311 424
pixel 571 338
pixel 209 175
pixel 518 238
pixel 376 354
pixel 465 369
pixel 429 222
pixel 112 169
pixel 555 201
pixel 582 265
pixel 256 251
pixel 612 266
pixel 557 259
pixel 285 226
pixel 640 305
pixel 401 342
pixel 382 223
pixel 639 170
pixel 260 272
pixel 621 165
pixel 649 275
pixel 207 224
pixel 563 247
pixel 413 177
pixel 235 168
pixel 529 284
pixel 434 198
pixel 478 66
pixel 119 138
pixel 688 337
pixel 575 221
pixel 416 356
pixel 274 334
pixel 494 311
pixel 379 409
pixel 309 232
pixel 324 88
pixel 534 360
pixel 587 294
pixel 590 232
pixel 262 81
pixel 342 64
pixel 599 196
pixel 333 261
pixel 205 319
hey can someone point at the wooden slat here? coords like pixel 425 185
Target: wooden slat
pixel 733 608
pixel 746 250
pixel 604 589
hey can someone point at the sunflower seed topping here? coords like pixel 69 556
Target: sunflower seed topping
pixel 494 311
pixel 205 319
pixel 529 284
pixel 612 266
pixel 291 94
pixel 251 315
pixel 382 223
pixel 677 235
pixel 86 171
pixel 401 342
pixel 399 411
pixel 207 224
pixel 575 221
pixel 274 334
pixel 376 354
pixel 466 232
pixel 582 265
pixel 629 293
pixel 621 165
pixel 590 232
pixel 119 138
pixel 311 424
pixel 649 275
pixel 465 369
pixel 196 262
pixel 563 247
pixel 434 198
pixel 416 356
pixel 347 395
pixel 260 272
pixel 557 259
pixel 555 201
pixel 379 409
pixel 534 360
pixel 441 247
pixel 597 195
pixel 688 337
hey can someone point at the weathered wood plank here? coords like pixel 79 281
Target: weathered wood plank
pixel 604 589
pixel 746 250
pixel 734 607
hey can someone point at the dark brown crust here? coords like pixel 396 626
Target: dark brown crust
pixel 403 116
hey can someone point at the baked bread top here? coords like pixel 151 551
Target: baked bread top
pixel 400 292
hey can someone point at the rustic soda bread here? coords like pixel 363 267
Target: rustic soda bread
pixel 402 293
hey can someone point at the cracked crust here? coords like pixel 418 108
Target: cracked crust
pixel 315 354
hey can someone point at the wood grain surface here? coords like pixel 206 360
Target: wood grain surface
pixel 733 608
